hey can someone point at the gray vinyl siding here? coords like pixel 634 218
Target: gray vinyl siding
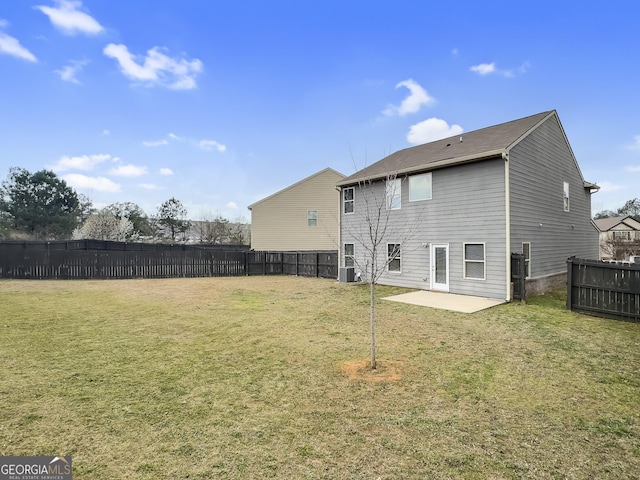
pixel 467 206
pixel 539 165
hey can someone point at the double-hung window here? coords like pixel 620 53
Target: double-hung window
pixel 394 193
pixel 474 261
pixel 622 235
pixel 565 194
pixel 348 196
pixel 394 259
pixel 526 251
pixel 349 255
pixel 312 218
pixel 420 187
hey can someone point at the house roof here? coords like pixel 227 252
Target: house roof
pixel 326 170
pixel 607 224
pixel 489 142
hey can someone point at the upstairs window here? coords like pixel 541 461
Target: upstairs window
pixel 394 194
pixel 474 264
pixel 312 218
pixel 622 235
pixel 348 195
pixel 420 187
pixel 565 189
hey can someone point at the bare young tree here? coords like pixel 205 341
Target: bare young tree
pixel 212 229
pixel 371 225
pixel 620 248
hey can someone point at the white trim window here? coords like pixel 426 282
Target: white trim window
pixel 621 235
pixel 526 251
pixel 312 218
pixel 349 255
pixel 394 194
pixel 394 259
pixel 420 187
pixel 565 195
pixel 348 200
pixel 474 261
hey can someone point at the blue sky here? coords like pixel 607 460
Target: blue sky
pixel 220 104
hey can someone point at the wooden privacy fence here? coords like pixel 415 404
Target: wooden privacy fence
pixel 603 289
pixel 117 260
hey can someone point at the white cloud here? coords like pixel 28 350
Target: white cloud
pixel 156 68
pixel 431 130
pixel 633 169
pixel 173 136
pixel 149 186
pixel 155 143
pixel 166 171
pixel 68 73
pixel 11 46
pixel 67 18
pixel 418 97
pixel 232 205
pixel 207 145
pixel 211 144
pixel 636 143
pixel 80 162
pixel 106 133
pixel 128 171
pixel 490 68
pixel 484 68
pixel 608 187
pixel 100 184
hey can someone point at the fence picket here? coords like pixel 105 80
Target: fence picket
pixel 603 289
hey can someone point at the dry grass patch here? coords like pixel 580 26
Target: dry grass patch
pixel 263 377
pixel 385 371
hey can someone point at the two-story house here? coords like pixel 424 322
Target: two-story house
pixel 619 237
pixel 448 214
pixel 301 217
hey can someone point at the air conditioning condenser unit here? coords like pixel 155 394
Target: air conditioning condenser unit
pixel 346 274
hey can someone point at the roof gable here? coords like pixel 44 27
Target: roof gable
pixel 476 145
pixel 326 171
pixel 610 223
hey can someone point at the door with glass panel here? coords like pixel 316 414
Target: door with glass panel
pixel 440 267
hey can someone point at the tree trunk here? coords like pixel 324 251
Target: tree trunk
pixel 373 323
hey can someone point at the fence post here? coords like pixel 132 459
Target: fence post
pixel 569 281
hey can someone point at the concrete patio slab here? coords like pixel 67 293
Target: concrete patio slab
pixel 445 301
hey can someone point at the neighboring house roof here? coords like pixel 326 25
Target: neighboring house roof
pixel 614 223
pixel 250 207
pixel 473 146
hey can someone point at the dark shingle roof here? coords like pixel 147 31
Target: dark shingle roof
pixel 472 146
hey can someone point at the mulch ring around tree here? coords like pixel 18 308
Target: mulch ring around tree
pixel 385 371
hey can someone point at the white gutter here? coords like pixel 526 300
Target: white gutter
pixel 507 216
pixel 431 166
pixel 339 227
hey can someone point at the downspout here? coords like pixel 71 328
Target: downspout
pixel 507 217
pixel 339 227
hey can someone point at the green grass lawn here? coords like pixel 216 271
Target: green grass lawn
pixel 256 378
